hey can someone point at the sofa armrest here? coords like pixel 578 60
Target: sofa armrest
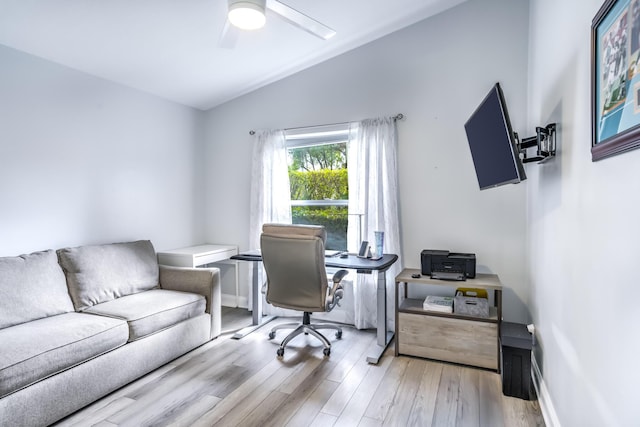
pixel 203 281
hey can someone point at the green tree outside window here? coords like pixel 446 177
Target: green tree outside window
pixel 319 173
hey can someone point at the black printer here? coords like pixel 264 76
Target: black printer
pixel 447 265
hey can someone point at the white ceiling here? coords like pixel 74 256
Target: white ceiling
pixel 170 48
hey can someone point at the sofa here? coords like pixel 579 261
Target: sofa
pixel 81 322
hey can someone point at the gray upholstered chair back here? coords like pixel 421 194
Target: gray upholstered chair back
pixel 293 258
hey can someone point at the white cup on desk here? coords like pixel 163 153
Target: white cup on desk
pixel 378 244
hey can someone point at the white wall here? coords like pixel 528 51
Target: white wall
pixel 86 161
pixel 435 73
pixel 583 235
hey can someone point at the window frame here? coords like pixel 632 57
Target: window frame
pixel 314 137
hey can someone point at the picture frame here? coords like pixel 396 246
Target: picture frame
pixel 364 250
pixel 615 79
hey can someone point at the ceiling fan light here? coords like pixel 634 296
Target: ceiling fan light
pixel 247 14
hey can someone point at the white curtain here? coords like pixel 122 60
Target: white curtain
pixel 373 206
pixel 271 202
pixel 270 192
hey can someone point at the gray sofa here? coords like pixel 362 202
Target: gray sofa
pixel 79 323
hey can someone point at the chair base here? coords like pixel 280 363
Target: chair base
pixel 307 328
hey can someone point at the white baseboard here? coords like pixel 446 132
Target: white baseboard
pixel 229 300
pixel 544 399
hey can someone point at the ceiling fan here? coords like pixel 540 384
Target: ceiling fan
pixel 251 15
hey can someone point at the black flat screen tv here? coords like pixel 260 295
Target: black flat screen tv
pixel 493 143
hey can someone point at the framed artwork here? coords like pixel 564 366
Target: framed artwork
pixel 615 78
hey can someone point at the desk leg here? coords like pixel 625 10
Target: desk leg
pixel 257 318
pixel 384 336
pixel 256 297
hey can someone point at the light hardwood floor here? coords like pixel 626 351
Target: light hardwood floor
pixel 242 383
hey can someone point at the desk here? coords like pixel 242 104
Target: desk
pixel 352 262
pixel 196 256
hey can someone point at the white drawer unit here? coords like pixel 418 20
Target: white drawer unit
pixel 195 256
pixel 201 255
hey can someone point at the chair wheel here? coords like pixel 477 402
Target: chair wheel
pixel 281 352
pixel 339 334
pixel 272 335
pixel 326 351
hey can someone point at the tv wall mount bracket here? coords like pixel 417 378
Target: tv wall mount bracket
pixel 545 141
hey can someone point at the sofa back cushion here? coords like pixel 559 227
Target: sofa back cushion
pixel 101 273
pixel 32 287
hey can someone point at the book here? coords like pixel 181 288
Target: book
pixel 437 303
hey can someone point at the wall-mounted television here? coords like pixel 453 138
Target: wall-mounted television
pixel 493 143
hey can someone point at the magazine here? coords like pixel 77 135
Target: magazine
pixel 437 303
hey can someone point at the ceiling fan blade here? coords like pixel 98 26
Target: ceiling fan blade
pixel 229 36
pixel 300 20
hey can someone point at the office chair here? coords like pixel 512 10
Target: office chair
pixel 293 258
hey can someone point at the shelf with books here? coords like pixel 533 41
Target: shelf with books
pixel 412 305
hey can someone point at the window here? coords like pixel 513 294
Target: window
pixel 319 182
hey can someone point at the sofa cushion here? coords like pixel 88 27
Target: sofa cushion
pixel 101 273
pixel 151 311
pixel 36 350
pixel 32 287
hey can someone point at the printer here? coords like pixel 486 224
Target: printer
pixel 440 264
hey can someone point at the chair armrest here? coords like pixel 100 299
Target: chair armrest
pixel 337 278
pixel 203 281
pixel 335 292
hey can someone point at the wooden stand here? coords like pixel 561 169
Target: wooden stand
pixel 448 337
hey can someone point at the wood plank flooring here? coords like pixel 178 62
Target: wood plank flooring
pixel 242 383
